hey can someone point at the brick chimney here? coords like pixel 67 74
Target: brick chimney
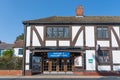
pixel 79 11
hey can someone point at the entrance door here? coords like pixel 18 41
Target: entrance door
pixel 69 64
pixel 58 65
pixel 61 64
pixel 54 64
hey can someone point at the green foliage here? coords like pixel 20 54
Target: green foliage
pixel 20 37
pixel 13 63
pixel 8 53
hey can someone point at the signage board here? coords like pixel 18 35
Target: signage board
pixel 58 54
pixel 90 60
pixel 78 61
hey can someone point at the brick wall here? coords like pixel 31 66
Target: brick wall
pixel 10 72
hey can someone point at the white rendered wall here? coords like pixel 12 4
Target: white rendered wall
pixel 64 43
pixel 27 56
pixel 116 56
pixel 35 41
pixel 114 42
pixel 16 52
pixel 116 28
pixel 79 41
pixel 27 67
pixel 90 54
pixel 75 30
pixel 27 60
pixel 104 68
pixel 89 35
pixel 40 30
pixel 28 36
pixel 51 43
pixel 116 68
pixel 104 43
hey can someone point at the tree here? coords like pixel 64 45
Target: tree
pixel 8 53
pixel 20 37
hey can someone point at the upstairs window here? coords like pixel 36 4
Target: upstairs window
pixel 102 32
pixel 103 57
pixel 57 32
pixel 20 52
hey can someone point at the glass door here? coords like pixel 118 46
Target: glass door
pixel 69 64
pixel 54 64
pixel 61 63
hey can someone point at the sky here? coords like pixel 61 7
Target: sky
pixel 14 12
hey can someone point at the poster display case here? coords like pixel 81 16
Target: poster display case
pixel 36 64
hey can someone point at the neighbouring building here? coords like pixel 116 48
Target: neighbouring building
pixel 18 48
pixel 72 44
pixel 4 46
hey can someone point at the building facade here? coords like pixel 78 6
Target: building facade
pixel 18 48
pixel 72 45
pixel 4 46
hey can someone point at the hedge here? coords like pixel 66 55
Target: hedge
pixel 10 63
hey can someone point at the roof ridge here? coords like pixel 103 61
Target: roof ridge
pixel 74 19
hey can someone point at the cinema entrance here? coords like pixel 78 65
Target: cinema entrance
pixel 59 62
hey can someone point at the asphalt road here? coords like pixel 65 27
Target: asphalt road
pixel 103 78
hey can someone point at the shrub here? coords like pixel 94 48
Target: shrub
pixel 10 63
pixel 8 53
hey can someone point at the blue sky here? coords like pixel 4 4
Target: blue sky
pixel 13 12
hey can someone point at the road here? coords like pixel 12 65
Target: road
pixel 102 78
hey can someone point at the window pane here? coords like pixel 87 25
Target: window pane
pixel 66 32
pixel 54 34
pixel 49 32
pixel 103 56
pixel 60 34
pixel 106 56
pixel 105 29
pixel 102 33
pixel 99 32
pixel 54 29
pixel 100 56
pixel 100 53
pixel 57 32
pixel 60 29
pixel 20 51
pixel 105 33
pixel 106 59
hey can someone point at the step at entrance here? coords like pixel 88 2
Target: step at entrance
pixel 57 72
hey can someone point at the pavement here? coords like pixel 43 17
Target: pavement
pixel 56 76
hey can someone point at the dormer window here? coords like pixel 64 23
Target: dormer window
pixel 57 32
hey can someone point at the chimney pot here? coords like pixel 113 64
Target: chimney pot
pixel 79 11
